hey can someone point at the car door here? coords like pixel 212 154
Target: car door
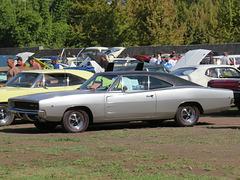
pixel 130 99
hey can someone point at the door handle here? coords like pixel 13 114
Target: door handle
pixel 149 95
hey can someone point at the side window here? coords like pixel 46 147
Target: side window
pixel 55 80
pixel 212 72
pixel 228 72
pixel 132 83
pixel 237 60
pixel 75 80
pixel 158 83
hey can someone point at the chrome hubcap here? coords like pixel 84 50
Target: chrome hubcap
pixel 76 120
pixel 188 114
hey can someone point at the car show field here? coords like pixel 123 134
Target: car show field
pixel 136 150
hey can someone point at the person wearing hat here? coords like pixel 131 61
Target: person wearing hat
pixel 55 63
pixel 34 64
pixel 20 63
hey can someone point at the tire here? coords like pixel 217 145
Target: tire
pixel 6 117
pixel 187 115
pixel 46 126
pixel 75 121
pixel 237 104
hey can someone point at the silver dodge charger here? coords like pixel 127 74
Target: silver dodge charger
pixel 120 97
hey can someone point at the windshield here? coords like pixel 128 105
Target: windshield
pixel 22 80
pixel 157 69
pixel 99 83
pixel 3 76
pixel 183 71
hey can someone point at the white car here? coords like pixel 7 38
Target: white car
pixel 201 74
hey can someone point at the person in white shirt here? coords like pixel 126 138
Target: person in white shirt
pixel 154 59
pixel 225 59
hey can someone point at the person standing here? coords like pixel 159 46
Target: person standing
pixel 20 63
pixel 103 62
pixel 55 63
pixel 34 64
pixel 154 59
pixel 13 71
pixel 167 62
pixel 225 59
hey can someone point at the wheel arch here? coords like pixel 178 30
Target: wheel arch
pixel 195 104
pixel 88 111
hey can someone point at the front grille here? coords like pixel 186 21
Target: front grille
pixel 26 105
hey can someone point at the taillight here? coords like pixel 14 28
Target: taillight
pixel 239 86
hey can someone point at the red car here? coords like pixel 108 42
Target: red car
pixel 229 83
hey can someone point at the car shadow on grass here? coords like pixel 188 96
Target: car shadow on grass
pixel 29 128
pixel 232 112
pixel 20 126
pixel 225 127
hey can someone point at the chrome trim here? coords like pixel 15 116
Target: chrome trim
pixel 23 111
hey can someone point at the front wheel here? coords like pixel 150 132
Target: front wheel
pixel 6 117
pixel 187 115
pixel 237 104
pixel 75 121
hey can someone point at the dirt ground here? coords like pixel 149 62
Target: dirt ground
pixel 211 148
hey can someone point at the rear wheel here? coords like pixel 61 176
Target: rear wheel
pixel 187 115
pixel 6 117
pixel 237 104
pixel 75 121
pixel 47 126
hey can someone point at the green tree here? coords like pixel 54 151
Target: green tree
pixel 7 23
pixel 98 22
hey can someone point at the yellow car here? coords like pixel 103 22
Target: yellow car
pixel 38 81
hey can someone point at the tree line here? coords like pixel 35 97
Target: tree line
pixel 83 23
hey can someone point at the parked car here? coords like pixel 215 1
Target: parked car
pixel 232 83
pixel 3 73
pixel 122 96
pixel 234 59
pixel 201 74
pixel 37 81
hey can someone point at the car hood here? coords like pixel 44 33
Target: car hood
pixel 192 57
pixel 8 92
pixel 42 96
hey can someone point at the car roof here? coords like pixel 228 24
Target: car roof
pixel 177 81
pixel 86 74
pixel 206 66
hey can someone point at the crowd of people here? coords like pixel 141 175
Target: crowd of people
pixel 163 59
pixel 170 60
